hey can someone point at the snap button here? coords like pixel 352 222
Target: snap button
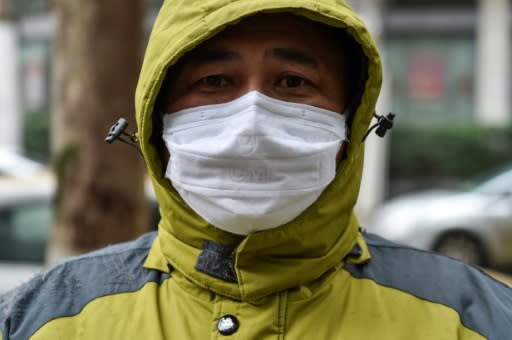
pixel 227 325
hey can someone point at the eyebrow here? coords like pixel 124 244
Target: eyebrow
pixel 206 56
pixel 292 54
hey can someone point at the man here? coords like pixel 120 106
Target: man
pixel 251 117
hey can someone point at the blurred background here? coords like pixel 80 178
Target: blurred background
pixel 440 180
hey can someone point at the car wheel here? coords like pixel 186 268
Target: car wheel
pixel 463 247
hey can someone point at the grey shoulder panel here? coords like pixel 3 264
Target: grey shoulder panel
pixel 484 304
pixel 67 288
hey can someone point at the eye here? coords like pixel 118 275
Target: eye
pixel 213 81
pixel 292 81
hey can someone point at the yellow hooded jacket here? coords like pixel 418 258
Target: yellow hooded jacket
pixel 316 277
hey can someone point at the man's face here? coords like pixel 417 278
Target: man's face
pixel 280 55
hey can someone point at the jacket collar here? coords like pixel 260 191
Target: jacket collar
pixel 259 272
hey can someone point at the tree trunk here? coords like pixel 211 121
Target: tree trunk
pixel 100 197
pixel 5 10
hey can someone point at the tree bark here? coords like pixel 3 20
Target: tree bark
pixel 100 197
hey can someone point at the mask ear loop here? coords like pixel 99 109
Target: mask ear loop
pixel 159 143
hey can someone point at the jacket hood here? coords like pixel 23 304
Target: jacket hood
pixel 272 260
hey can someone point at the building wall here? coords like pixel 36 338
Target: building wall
pixel 10 118
pixel 445 62
pixel 449 61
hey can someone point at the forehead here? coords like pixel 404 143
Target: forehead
pixel 282 28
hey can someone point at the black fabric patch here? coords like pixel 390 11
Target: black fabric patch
pixel 355 253
pixel 217 260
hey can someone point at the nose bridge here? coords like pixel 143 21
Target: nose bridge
pixel 255 80
pixel 255 71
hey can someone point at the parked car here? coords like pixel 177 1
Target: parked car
pixel 26 216
pixel 25 220
pixel 473 225
pixel 17 165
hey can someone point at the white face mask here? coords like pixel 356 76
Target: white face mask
pixel 254 163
